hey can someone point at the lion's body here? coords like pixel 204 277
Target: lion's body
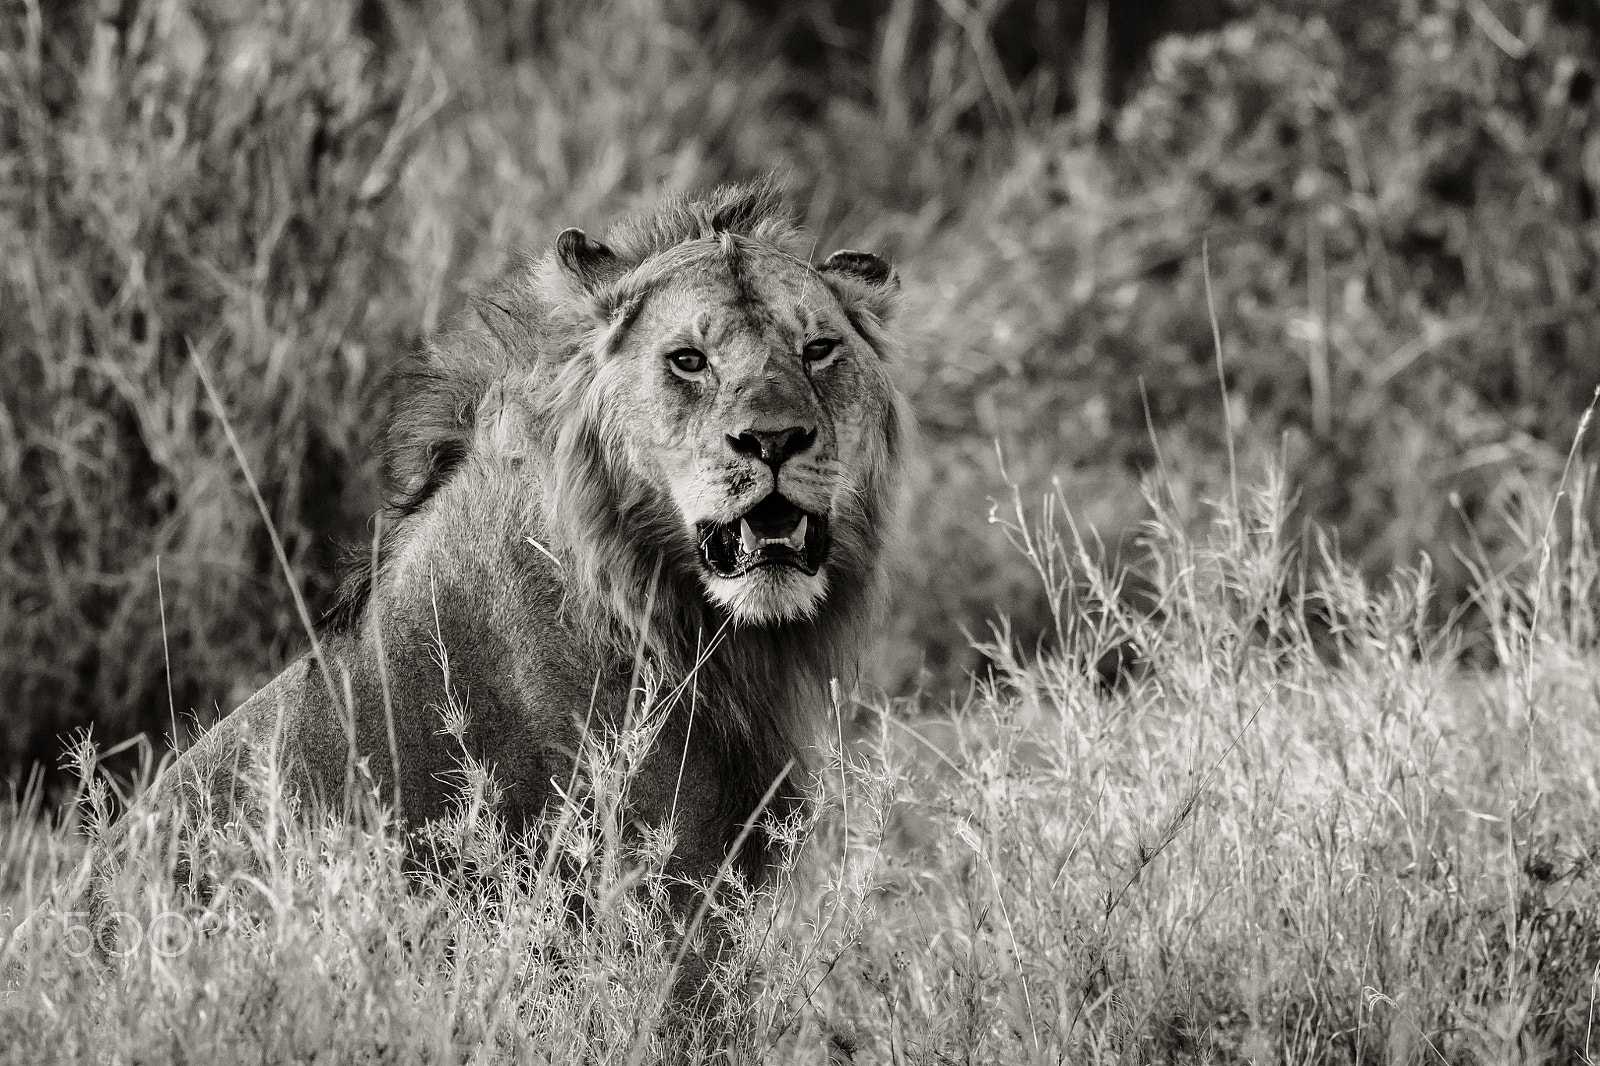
pixel 575 514
pixel 524 672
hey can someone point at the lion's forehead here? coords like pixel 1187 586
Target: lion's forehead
pixel 768 292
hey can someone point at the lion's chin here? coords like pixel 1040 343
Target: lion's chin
pixel 769 595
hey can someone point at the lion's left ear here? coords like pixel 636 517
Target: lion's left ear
pixel 587 261
pixel 863 279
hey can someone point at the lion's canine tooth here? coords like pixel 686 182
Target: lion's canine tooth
pixel 797 539
pixel 747 537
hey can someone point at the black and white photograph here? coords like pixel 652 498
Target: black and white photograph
pixel 741 532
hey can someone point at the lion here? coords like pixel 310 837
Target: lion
pixel 679 445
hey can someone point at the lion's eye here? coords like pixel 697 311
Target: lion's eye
pixel 687 360
pixel 819 350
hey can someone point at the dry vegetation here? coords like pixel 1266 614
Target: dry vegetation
pixel 1336 811
pixel 1301 832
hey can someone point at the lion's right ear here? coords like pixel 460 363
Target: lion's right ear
pixel 587 261
pixel 863 279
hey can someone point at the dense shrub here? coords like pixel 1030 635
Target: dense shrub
pixel 1399 207
pixel 297 191
pixel 190 177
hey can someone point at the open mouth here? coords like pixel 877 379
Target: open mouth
pixel 772 533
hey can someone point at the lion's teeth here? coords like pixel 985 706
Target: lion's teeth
pixel 750 541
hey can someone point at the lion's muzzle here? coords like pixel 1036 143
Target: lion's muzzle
pixel 772 533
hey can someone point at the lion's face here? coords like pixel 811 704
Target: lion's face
pixel 745 392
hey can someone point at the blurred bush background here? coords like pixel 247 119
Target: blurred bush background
pixel 1397 200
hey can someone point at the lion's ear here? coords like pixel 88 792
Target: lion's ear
pixel 865 279
pixel 587 261
pixel 863 266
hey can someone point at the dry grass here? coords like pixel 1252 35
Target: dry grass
pixel 1304 833
pixel 270 939
pixel 1299 831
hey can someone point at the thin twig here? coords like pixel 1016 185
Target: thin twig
pixel 166 655
pixel 375 621
pixel 1222 380
pixel 272 532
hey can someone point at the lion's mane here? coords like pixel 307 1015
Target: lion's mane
pixel 611 529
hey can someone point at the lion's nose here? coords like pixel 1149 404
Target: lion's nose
pixel 774 446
